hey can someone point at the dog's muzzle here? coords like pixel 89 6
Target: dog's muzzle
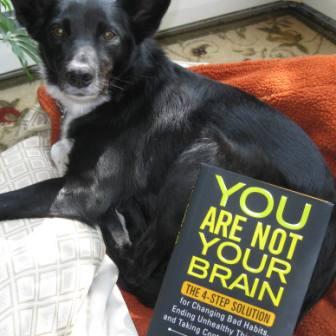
pixel 82 69
pixel 79 78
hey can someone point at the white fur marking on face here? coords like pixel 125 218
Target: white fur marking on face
pixel 86 58
pixel 60 154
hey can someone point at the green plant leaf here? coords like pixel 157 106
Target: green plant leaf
pixel 6 5
pixel 29 51
pixel 22 45
pixel 7 24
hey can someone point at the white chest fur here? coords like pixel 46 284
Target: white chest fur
pixel 60 154
pixel 73 108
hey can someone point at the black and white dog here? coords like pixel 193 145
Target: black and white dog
pixel 136 128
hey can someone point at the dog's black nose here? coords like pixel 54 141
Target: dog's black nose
pixel 79 79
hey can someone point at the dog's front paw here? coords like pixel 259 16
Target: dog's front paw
pixel 60 154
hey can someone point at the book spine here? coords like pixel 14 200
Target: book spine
pixel 195 200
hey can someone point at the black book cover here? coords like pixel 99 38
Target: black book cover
pixel 243 259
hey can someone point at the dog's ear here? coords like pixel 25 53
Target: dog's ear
pixel 146 15
pixel 31 13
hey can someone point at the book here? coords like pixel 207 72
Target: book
pixel 243 259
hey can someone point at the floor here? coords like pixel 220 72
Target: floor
pixel 256 38
pixel 271 37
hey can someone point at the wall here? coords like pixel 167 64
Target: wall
pixel 187 11
pixel 8 62
pixel 327 7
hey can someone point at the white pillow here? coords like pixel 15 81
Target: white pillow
pixel 47 266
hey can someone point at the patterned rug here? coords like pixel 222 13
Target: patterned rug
pixel 20 117
pixel 273 37
pixel 262 38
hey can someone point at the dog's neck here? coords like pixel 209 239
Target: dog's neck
pixel 71 108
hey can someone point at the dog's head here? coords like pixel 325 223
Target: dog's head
pixel 86 43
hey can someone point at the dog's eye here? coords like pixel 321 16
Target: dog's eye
pixel 108 36
pixel 58 31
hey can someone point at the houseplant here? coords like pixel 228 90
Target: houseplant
pixel 16 37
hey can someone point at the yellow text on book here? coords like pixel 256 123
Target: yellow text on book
pixel 228 304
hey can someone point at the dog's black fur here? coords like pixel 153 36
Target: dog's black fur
pixel 140 151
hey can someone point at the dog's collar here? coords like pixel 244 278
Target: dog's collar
pixel 52 108
pixel 61 109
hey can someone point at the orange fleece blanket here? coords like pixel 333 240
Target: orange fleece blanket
pixel 305 90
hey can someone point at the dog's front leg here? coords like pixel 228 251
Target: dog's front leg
pixel 35 201
pixel 66 197
pixel 60 154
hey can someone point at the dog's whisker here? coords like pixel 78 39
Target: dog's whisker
pixel 117 87
pixel 121 80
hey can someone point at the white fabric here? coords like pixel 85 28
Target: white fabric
pixel 55 279
pixel 104 311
